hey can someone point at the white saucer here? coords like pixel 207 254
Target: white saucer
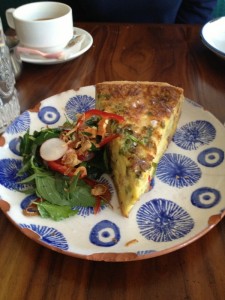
pixel 213 36
pixel 73 53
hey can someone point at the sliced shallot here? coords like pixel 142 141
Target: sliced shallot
pixel 53 149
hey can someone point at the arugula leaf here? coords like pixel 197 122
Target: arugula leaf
pixel 81 196
pixel 45 135
pixel 58 190
pixel 25 144
pixel 46 189
pixel 29 179
pixel 55 212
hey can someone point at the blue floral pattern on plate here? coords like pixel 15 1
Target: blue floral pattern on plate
pixel 162 220
pixel 8 174
pixel 14 145
pixel 205 197
pixel 211 157
pixel 49 115
pixel 48 235
pixel 105 234
pixel 20 124
pixel 144 252
pixel 178 170
pixel 194 135
pixel 27 201
pixel 188 174
pixel 79 104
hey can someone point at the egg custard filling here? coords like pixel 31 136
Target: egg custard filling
pixel 151 111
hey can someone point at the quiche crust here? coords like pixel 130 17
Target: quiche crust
pixel 151 111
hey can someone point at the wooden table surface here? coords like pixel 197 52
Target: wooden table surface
pixel 171 53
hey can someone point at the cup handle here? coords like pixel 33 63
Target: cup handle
pixel 9 17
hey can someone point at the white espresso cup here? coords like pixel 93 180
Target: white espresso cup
pixel 46 26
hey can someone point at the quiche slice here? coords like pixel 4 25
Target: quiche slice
pixel 151 111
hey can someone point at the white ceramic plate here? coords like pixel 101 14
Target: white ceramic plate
pixel 213 36
pixel 71 52
pixel 187 199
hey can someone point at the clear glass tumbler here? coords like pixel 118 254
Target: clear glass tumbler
pixel 9 102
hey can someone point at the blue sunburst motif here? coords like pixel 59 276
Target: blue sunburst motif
pixel 194 134
pixel 86 211
pixel 49 115
pixel 162 220
pixel 205 197
pixel 211 157
pixel 178 170
pixel 79 104
pixel 144 252
pixel 48 235
pixel 20 124
pixel 8 174
pixel 105 234
pixel 27 201
pixel 14 146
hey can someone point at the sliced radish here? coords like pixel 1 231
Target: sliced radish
pixel 53 149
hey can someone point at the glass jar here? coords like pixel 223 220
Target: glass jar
pixel 9 102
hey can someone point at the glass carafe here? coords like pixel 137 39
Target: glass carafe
pixel 9 102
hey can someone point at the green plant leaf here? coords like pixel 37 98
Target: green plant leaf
pixel 55 212
pixel 46 189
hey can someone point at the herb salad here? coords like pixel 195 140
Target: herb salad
pixel 61 165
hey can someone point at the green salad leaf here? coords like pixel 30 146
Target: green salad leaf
pixel 55 212
pixel 60 193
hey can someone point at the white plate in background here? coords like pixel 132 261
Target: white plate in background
pixel 213 36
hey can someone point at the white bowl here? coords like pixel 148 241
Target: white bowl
pixel 213 36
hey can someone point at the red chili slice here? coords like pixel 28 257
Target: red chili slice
pixel 103 114
pixel 106 115
pixel 58 167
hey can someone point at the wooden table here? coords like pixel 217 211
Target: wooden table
pixel 171 53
